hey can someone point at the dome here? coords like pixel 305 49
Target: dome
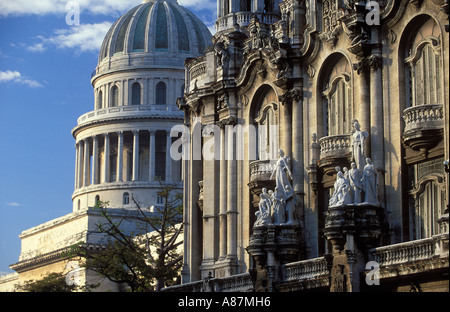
pixel 159 32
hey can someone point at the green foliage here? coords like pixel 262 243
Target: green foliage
pixel 53 282
pixel 144 262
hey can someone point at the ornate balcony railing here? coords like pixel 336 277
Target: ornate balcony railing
pixel 305 269
pixel 335 146
pixel 235 283
pixel 260 170
pixel 408 252
pixel 423 117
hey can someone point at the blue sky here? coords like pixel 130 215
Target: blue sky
pixel 45 69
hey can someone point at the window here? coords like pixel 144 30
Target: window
pixel 161 93
pixel 428 198
pixel 126 198
pixel 114 96
pixel 425 74
pixel 159 200
pixel 97 199
pixel 424 59
pixel 160 154
pixel 267 126
pixel 100 99
pixel 136 94
pixel 338 110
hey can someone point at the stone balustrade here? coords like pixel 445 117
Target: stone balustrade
pixel 305 269
pixel 402 253
pixel 428 116
pixel 243 19
pixel 134 111
pixel 237 283
pixel 335 146
pixel 260 170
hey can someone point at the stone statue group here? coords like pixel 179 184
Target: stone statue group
pixel 277 207
pixel 359 184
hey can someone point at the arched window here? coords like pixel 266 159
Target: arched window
pixel 338 109
pixel 100 99
pixel 97 200
pixel 267 126
pixel 424 66
pixel 335 86
pixel 161 94
pixel 114 96
pixel 136 94
pixel 126 198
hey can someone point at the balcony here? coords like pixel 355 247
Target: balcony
pixel 260 172
pixel 243 19
pixel 131 111
pixel 335 150
pixel 424 125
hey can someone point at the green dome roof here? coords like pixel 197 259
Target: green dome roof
pixel 158 27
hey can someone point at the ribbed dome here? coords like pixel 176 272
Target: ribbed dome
pixel 161 28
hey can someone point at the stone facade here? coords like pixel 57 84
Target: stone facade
pixel 295 75
pixel 124 143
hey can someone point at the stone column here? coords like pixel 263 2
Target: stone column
pixel 151 152
pixel 94 160
pixel 231 198
pixel 223 197
pixel 78 165
pixel 285 129
pixel 135 155
pixel 376 117
pixel 86 168
pixel 168 157
pixel 119 168
pixel 106 171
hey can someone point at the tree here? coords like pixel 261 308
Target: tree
pixel 147 259
pixel 53 282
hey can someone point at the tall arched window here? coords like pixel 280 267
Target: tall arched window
pixel 100 99
pixel 126 198
pixel 114 96
pixel 161 96
pixel 136 94
pixel 338 110
pixel 267 126
pixel 424 65
pixel 337 96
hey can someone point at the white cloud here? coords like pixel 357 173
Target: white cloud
pixel 43 7
pixel 84 37
pixel 13 204
pixel 16 77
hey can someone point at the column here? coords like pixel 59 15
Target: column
pixel 168 157
pixel 297 163
pixel 77 164
pixel 151 153
pixel 94 179
pixel 231 198
pixel 106 171
pixel 223 197
pixel 135 155
pixel 376 114
pixel 86 167
pixel 119 168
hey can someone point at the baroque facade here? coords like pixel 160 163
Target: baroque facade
pixel 124 143
pixel 329 83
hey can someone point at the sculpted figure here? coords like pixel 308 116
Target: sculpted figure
pixel 263 216
pixel 354 178
pixel 278 207
pixel 358 139
pixel 342 191
pixel 334 198
pixel 369 182
pixel 282 172
pixel 290 204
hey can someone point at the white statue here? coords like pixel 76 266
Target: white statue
pixel 369 183
pixel 354 178
pixel 358 139
pixel 278 207
pixel 290 204
pixel 334 198
pixel 342 195
pixel 282 172
pixel 263 216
